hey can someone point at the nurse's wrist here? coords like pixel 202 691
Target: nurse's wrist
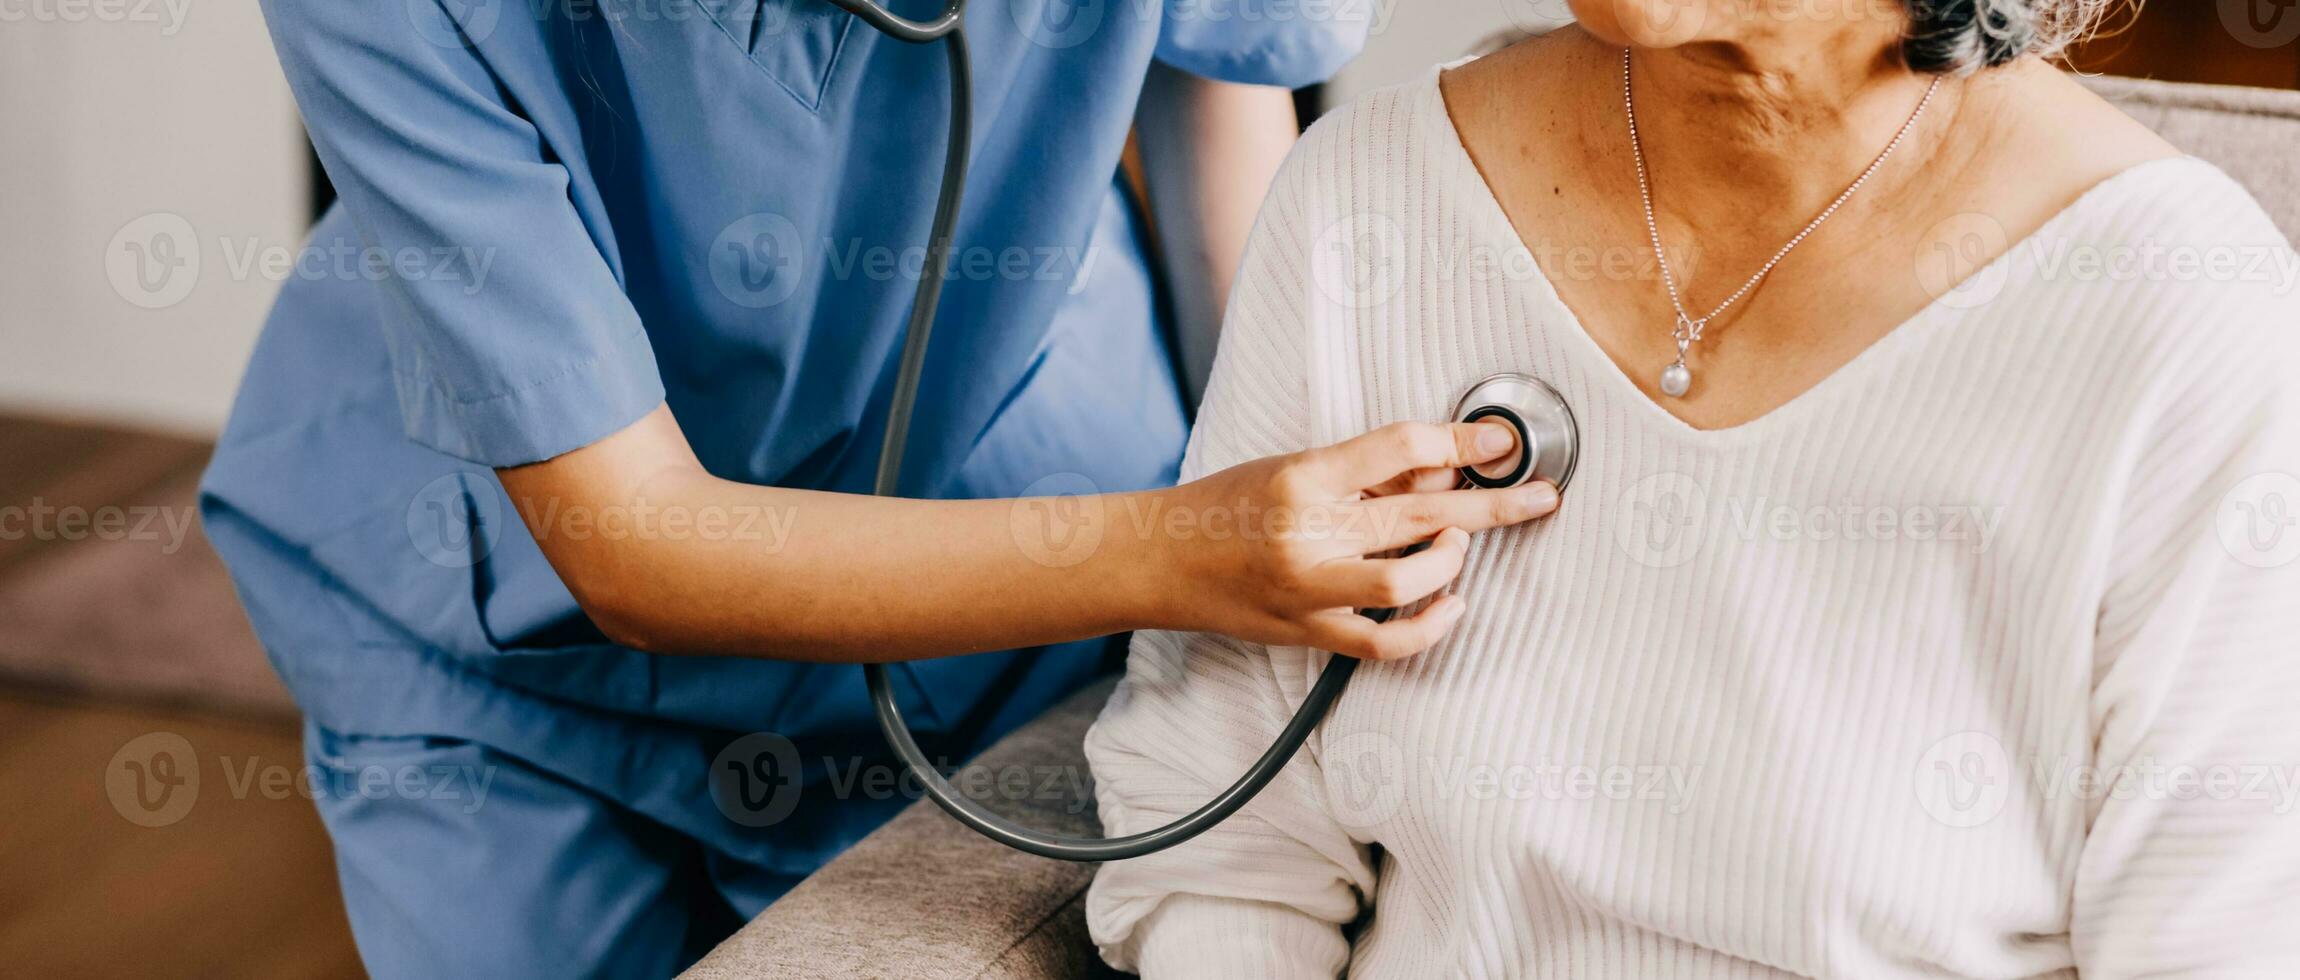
pixel 1141 561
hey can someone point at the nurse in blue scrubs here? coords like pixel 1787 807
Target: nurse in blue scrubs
pixel 550 508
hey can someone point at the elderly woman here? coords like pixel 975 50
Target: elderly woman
pixel 1926 601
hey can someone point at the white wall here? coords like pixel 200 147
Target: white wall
pixel 112 111
pixel 1412 35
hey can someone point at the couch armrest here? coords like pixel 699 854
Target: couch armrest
pixel 926 898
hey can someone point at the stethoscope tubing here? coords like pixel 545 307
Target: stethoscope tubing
pixel 950 28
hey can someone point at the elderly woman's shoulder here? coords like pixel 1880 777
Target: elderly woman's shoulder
pixel 1374 125
pixel 2182 227
pixel 2179 266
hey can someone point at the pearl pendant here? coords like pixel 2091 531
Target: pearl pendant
pixel 1676 380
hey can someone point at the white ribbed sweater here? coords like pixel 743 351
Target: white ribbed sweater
pixel 1826 693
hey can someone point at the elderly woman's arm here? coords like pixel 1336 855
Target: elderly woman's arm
pixel 1267 892
pixel 2194 843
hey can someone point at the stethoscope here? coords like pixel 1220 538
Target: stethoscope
pixel 1549 441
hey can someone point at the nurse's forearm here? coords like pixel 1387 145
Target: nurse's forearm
pixel 667 558
pixel 1209 150
pixel 852 578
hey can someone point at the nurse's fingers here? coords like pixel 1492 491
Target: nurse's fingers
pixel 1394 450
pixel 1387 583
pixel 1352 635
pixel 1394 522
pixel 1430 480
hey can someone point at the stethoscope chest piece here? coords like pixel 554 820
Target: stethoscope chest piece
pixel 1546 430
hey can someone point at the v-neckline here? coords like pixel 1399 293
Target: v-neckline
pixel 1489 217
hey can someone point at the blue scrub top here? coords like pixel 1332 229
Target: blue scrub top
pixel 555 217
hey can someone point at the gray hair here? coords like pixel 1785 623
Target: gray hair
pixel 1957 37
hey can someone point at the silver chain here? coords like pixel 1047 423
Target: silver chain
pixel 1689 327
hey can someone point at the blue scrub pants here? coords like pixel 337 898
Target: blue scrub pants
pixel 523 875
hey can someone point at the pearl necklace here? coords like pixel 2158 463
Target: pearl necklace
pixel 1677 378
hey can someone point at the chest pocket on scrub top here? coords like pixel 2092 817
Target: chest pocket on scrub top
pixel 795 42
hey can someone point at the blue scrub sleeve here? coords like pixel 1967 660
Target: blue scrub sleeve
pixel 1266 42
pixel 511 337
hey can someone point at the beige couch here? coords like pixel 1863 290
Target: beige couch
pixel 924 898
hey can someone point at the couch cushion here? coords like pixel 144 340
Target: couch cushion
pixel 925 898
pixel 2252 133
pixel 138 608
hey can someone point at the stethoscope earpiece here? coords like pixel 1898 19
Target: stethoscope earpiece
pixel 1548 438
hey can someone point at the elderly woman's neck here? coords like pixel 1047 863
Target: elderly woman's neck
pixel 1789 122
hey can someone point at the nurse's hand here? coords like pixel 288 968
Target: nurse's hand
pixel 1283 550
